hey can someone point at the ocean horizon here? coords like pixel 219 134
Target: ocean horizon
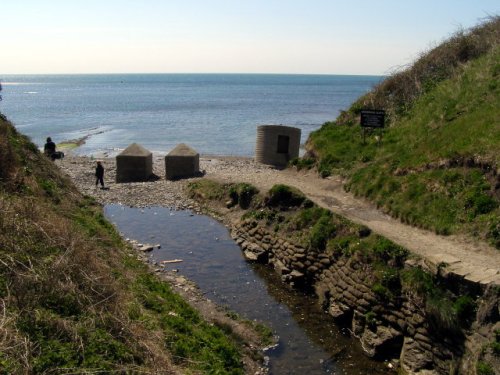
pixel 213 113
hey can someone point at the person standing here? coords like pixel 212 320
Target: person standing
pixel 99 174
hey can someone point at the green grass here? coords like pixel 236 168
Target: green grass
pixel 236 194
pixel 74 299
pixel 423 171
pixel 192 341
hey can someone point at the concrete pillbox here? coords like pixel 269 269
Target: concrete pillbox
pixel 135 163
pixel 182 162
pixel 277 144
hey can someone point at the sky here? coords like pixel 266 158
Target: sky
pixel 226 36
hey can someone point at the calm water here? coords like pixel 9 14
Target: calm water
pixel 214 113
pixel 310 343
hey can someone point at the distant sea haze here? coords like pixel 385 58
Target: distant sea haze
pixel 213 113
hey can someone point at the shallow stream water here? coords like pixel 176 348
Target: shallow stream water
pixel 309 341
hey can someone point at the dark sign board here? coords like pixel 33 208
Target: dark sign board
pixel 372 118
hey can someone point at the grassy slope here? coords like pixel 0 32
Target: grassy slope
pixel 436 164
pixel 73 296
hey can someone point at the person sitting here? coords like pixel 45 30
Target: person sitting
pixel 50 150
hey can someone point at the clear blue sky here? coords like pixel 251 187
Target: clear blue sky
pixel 247 36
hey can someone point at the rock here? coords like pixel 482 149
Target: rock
pixel 325 261
pixel 381 342
pixel 312 269
pixel 489 307
pixel 146 248
pixel 254 253
pixel 299 265
pixel 295 275
pixel 413 357
pixel 338 310
pixel 280 268
pixel 250 256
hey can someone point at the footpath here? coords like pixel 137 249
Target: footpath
pixel 465 257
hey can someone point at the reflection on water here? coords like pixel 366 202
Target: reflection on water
pixel 310 343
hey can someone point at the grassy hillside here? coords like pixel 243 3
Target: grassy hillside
pixel 74 298
pixel 436 164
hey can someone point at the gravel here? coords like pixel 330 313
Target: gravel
pixel 157 192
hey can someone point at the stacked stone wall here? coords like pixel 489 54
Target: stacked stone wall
pixel 386 329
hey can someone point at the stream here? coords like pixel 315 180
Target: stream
pixel 309 341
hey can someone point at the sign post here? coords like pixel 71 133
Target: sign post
pixel 372 119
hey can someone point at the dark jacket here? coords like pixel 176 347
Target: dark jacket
pixel 49 148
pixel 99 171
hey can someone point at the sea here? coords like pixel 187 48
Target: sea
pixel 216 114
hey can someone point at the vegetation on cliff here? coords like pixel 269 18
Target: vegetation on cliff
pixel 74 298
pixel 288 213
pixel 436 164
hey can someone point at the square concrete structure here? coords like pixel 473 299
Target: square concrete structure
pixel 182 162
pixel 135 163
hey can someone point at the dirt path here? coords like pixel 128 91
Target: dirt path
pixel 476 261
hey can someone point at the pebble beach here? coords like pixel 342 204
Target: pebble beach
pixel 158 191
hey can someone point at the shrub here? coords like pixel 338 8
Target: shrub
pixel 484 368
pixel 321 232
pixel 465 309
pixel 480 203
pixel 417 280
pixel 387 250
pixel 308 217
pixel 284 196
pixel 381 291
pixel 302 163
pixel 441 313
pixel 242 194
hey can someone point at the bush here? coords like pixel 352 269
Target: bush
pixel 284 196
pixel 484 368
pixel 480 203
pixel 308 217
pixel 465 309
pixel 418 281
pixel 321 232
pixel 381 291
pixel 387 250
pixel 302 163
pixel 242 194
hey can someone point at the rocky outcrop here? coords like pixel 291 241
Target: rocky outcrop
pixel 398 328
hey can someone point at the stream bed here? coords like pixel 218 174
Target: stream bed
pixel 309 341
